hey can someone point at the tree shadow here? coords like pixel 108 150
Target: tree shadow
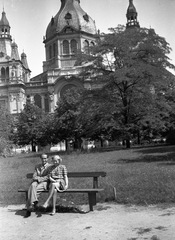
pixel 157 149
pixel 163 155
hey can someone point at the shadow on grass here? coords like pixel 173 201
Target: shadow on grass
pixel 157 149
pixel 162 155
pixel 148 159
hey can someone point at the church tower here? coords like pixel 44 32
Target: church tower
pixel 132 16
pixel 13 72
pixel 70 31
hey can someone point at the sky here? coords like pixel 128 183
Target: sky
pixel 28 20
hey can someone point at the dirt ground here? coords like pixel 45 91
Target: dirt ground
pixel 108 221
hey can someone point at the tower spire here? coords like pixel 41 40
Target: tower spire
pixel 4 27
pixel 131 16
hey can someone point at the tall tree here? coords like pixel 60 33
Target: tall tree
pixel 131 65
pixel 28 126
pixel 67 123
pixel 6 126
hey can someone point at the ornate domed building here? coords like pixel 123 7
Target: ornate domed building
pixel 69 31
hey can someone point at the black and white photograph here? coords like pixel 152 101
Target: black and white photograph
pixel 87 119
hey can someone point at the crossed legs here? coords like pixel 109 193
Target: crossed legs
pixel 34 191
pixel 32 197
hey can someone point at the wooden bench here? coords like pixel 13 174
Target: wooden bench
pixel 91 191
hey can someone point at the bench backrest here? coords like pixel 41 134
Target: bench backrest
pixel 79 174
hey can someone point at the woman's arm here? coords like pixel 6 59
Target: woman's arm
pixel 66 181
pixel 52 179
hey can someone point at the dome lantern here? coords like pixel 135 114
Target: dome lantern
pixel 4 27
pixel 131 16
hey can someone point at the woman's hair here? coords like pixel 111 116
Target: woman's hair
pixel 43 155
pixel 57 157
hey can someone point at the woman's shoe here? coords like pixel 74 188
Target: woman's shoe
pixel 52 213
pixel 45 206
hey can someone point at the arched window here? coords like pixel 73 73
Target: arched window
pixel 65 47
pixel 13 72
pixel 7 72
pixel 54 49
pixel 46 103
pixel 28 99
pixel 73 45
pixel 86 46
pixel 50 52
pixel 37 99
pixel 67 88
pixel 92 44
pixel 3 73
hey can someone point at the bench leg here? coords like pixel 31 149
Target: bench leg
pixel 92 200
pixel 26 195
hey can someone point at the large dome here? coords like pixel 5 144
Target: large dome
pixel 70 15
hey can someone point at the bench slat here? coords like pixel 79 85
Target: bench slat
pixel 79 174
pixel 72 190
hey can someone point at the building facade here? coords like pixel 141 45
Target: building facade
pixel 14 71
pixel 69 31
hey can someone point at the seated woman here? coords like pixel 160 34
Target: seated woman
pixel 59 181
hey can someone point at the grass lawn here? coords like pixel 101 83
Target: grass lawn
pixel 139 175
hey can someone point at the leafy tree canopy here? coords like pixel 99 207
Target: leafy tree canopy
pixel 130 65
pixel 28 126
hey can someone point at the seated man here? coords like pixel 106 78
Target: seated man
pixel 39 183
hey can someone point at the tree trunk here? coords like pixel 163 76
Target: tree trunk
pixel 138 138
pixel 67 145
pixel 33 148
pixel 128 145
pixel 77 143
pixel 101 142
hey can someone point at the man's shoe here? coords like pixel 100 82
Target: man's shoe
pixel 28 214
pixel 35 206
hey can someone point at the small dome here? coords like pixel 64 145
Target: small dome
pixel 14 45
pixel 23 55
pixel 73 16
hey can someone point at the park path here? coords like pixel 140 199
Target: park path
pixel 108 221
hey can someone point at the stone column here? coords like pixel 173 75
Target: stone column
pixel 11 102
pixel 32 99
pixel 18 98
pixel 42 102
pixel 51 102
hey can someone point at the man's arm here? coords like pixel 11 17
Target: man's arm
pixel 36 174
pixel 38 177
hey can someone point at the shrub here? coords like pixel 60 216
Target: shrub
pixel 4 146
pixel 171 138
